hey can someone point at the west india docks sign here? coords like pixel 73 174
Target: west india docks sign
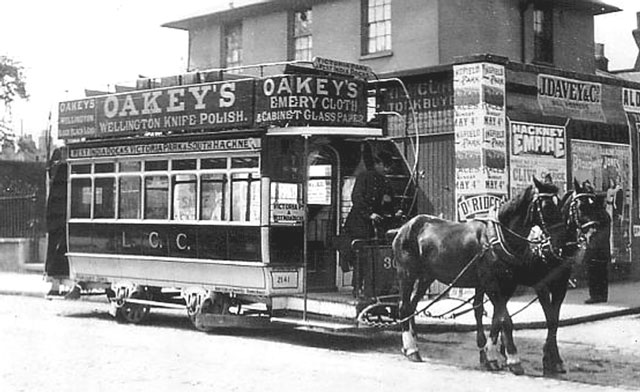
pixel 284 100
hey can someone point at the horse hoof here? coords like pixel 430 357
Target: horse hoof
pixel 483 358
pixel 414 357
pixel 554 370
pixel 516 368
pixel 492 366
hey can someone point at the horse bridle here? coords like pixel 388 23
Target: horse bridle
pixel 574 215
pixel 544 243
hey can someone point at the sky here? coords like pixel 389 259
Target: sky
pixel 66 46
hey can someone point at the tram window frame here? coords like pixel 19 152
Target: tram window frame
pixel 81 168
pixel 104 167
pixel 124 210
pixel 214 163
pixel 184 201
pixel 154 184
pixel 245 208
pixel 129 166
pixel 163 201
pixel 184 164
pixel 104 197
pixel 217 213
pixel 156 165
pixel 80 205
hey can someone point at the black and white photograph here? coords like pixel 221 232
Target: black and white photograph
pixel 319 195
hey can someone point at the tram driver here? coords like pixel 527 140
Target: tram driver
pixel 371 214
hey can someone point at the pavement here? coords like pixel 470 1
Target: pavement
pixel 624 299
pixel 526 312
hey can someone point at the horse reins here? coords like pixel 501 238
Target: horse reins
pixel 476 257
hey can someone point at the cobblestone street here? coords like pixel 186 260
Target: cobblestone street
pixel 70 346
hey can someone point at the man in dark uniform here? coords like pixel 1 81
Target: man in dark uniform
pixel 597 259
pixel 372 199
pixel 56 266
pixel 597 256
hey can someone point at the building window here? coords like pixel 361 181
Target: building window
pixel 232 45
pixel 302 40
pixel 543 34
pixel 376 23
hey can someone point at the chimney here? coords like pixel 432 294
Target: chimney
pixel 602 63
pixel 636 36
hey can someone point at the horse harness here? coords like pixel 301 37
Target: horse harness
pixel 541 241
pixel 496 243
pixel 574 216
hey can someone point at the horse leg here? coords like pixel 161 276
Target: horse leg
pixel 513 359
pixel 551 294
pixel 406 309
pixel 551 361
pixel 481 338
pixel 491 346
pixel 501 323
pixel 409 339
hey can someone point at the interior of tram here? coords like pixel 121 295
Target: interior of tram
pixel 333 165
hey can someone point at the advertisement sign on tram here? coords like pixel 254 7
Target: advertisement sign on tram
pixel 287 100
pixel 310 100
pixel 218 105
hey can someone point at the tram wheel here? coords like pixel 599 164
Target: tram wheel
pixel 216 304
pixel 134 313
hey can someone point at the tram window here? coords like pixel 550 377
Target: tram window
pixel 213 200
pixel 81 198
pixel 245 197
pixel 156 165
pixel 130 166
pixel 244 162
pixel 184 197
pixel 105 167
pixel 156 197
pixel 81 169
pixel 213 163
pixel 103 200
pixel 183 164
pixel 129 202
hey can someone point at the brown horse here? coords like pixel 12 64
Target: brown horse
pixel 480 254
pixel 549 277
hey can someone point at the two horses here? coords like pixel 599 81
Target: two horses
pixel 494 257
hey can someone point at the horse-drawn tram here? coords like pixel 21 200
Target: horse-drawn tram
pixel 225 198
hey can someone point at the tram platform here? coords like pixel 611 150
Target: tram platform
pixel 623 300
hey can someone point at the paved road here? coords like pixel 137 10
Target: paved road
pixel 71 346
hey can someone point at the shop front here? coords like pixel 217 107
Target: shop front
pixel 501 123
pixel 573 128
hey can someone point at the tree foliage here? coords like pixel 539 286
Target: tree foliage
pixel 12 80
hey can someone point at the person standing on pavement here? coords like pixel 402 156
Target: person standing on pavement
pixel 597 258
pixel 372 199
pixel 56 266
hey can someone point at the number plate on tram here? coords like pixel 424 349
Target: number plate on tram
pixel 284 279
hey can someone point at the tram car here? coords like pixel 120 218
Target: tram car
pixel 226 198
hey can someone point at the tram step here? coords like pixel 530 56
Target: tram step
pixel 322 306
pixel 315 325
pixel 209 320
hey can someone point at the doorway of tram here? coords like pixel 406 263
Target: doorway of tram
pixel 322 219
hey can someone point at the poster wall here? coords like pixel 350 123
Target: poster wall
pixel 607 167
pixel 480 138
pixel 537 150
